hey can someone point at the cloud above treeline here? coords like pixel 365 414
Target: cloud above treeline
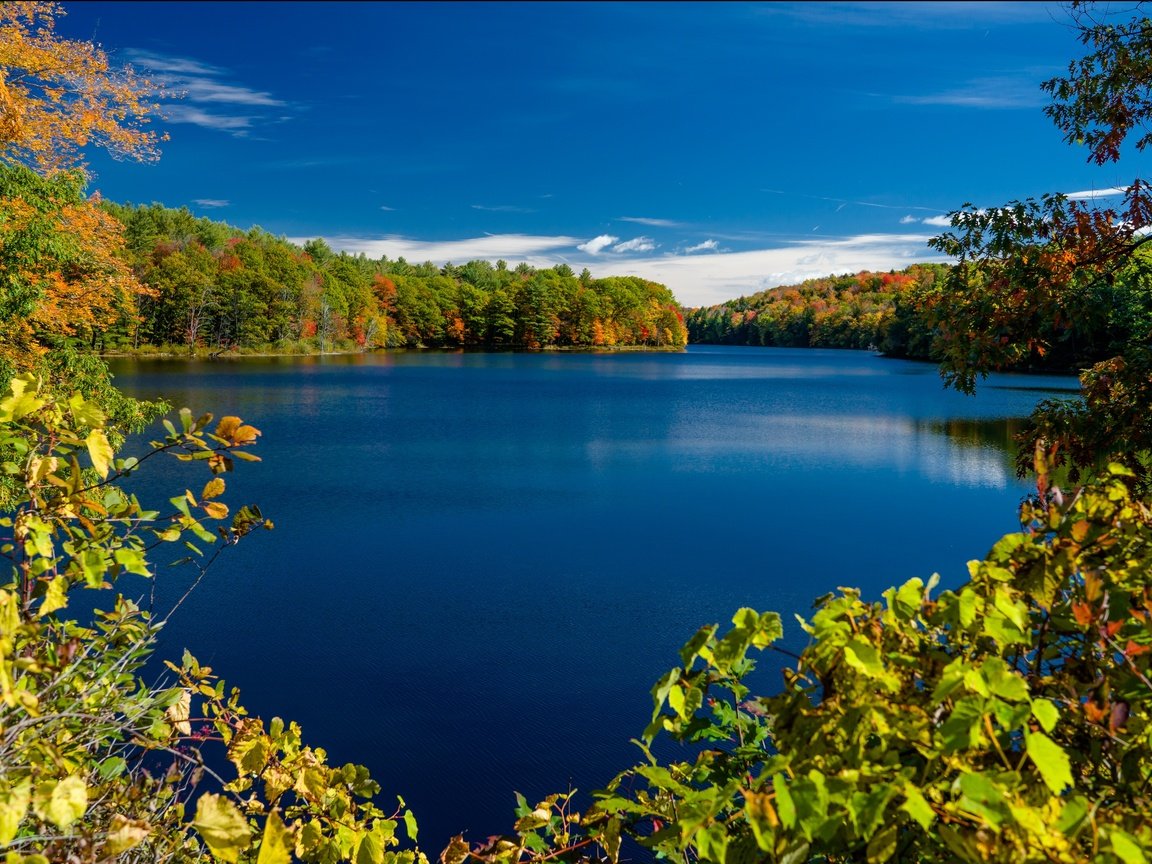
pixel 696 280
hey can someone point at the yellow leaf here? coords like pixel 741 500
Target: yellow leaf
pixel 100 451
pixel 13 806
pixel 178 714
pixel 62 803
pixel 216 509
pixel 212 489
pixel 222 826
pixel 56 595
pixel 277 843
pixel 124 834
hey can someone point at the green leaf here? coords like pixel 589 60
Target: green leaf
pixel 917 806
pixel 691 649
pixel 882 846
pixel 1126 847
pixel 785 806
pixel 410 825
pixel 1046 714
pixel 222 826
pixel 1050 759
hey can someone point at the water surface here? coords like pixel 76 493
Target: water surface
pixel 483 561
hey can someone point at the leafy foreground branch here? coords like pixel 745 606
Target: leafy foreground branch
pixel 1007 720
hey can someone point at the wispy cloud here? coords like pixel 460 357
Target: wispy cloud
pixel 200 117
pixel 1090 194
pixel 956 15
pixel 938 221
pixel 211 202
pixel 908 220
pixel 200 84
pixel 706 246
pixel 636 244
pixel 387 208
pixel 1000 92
pixel 502 208
pixel 597 244
pixel 655 223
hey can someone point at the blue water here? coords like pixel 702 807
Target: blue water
pixel 481 562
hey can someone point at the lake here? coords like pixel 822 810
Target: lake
pixel 482 562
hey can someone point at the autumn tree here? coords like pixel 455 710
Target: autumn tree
pixel 1031 275
pixel 58 95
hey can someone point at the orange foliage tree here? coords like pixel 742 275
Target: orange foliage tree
pixel 61 272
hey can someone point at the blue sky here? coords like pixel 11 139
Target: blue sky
pixel 719 148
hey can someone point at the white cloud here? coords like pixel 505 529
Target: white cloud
pixel 636 244
pixel 211 202
pixel 695 280
pixel 387 208
pixel 597 244
pixel 205 90
pixel 199 117
pixel 706 246
pixel 511 247
pixel 503 208
pixel 938 221
pixel 1091 194
pixel 908 220
pixel 655 223
pixel 177 65
pixel 989 93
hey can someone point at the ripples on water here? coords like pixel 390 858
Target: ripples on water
pixel 483 561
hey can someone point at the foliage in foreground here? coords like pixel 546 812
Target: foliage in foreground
pixel 1007 720
pixel 95 763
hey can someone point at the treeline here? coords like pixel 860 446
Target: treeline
pixel 908 313
pixel 212 286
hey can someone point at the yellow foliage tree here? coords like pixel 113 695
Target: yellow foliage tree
pixel 58 96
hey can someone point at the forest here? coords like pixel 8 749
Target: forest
pixel 1007 719
pixel 900 313
pixel 208 286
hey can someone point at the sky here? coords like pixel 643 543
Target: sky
pixel 718 148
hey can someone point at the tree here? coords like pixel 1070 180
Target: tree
pixel 59 95
pixel 1032 275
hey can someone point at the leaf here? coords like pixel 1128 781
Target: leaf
pixel 1126 847
pixel 277 844
pixel 56 596
pixel 917 806
pixel 456 852
pixel 1046 714
pixel 691 649
pixel 784 804
pixel 1050 759
pixel 100 452
pixel 179 712
pixel 882 846
pixel 410 825
pixel 214 488
pixel 64 803
pixel 13 805
pixel 222 826
pixel 124 834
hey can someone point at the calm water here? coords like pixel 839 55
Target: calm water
pixel 483 561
